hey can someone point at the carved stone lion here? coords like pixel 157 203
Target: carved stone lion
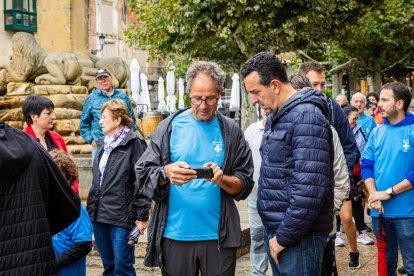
pixel 118 68
pixel 30 62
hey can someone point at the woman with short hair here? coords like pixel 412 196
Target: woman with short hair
pixel 114 204
pixel 40 116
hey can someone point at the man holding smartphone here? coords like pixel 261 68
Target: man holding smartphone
pixel 195 225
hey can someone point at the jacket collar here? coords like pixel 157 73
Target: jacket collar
pixel 128 137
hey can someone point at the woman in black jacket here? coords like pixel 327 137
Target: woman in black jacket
pixel 114 204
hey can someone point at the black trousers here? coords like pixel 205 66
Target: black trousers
pixel 189 258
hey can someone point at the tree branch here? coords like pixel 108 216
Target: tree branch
pixel 244 48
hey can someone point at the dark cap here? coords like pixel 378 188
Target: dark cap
pixel 101 73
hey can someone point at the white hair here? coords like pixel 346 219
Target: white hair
pixel 359 94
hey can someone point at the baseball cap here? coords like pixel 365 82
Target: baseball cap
pixel 101 73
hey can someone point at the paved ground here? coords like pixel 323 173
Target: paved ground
pixel 368 255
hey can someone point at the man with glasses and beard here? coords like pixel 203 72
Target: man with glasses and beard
pixel 195 225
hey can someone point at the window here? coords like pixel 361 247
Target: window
pixel 20 15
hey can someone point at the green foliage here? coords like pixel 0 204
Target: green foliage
pixel 229 31
pixel 328 92
pixel 379 38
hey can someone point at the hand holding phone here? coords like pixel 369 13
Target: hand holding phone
pixel 204 172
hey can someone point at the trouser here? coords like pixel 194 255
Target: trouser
pixel 112 243
pixel 303 259
pixel 258 255
pixel 400 233
pixel 329 267
pixel 188 258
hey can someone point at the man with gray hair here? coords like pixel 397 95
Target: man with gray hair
pixel 342 100
pixel 195 224
pixel 359 101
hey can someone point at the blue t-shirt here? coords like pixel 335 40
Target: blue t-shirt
pixel 194 208
pixel 367 124
pixel 389 158
pixel 79 231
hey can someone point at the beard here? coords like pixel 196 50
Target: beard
pixel 390 114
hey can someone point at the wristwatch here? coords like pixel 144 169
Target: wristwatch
pixel 162 174
pixel 391 192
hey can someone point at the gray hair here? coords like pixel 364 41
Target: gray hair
pixel 359 94
pixel 343 96
pixel 211 69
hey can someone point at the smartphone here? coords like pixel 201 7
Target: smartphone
pixel 204 172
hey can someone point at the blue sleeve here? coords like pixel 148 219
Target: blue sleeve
pixel 86 122
pixel 81 229
pixel 410 177
pixel 367 159
pixel 311 177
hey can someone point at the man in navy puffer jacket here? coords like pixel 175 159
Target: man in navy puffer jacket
pixel 295 196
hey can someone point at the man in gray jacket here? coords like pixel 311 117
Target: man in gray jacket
pixel 195 224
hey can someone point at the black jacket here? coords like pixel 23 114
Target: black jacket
pixel 36 202
pixel 337 118
pixel 295 195
pixel 237 162
pixel 117 201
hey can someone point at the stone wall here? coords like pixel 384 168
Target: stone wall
pixel 68 101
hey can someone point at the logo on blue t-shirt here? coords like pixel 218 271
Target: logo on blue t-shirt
pixel 218 147
pixel 406 145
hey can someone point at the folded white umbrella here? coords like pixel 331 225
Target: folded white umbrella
pixel 235 92
pixel 162 107
pixel 145 99
pixel 181 93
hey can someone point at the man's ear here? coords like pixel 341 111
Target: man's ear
pixel 400 104
pixel 275 85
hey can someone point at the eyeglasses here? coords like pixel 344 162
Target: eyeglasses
pixel 48 113
pixel 105 117
pixel 199 100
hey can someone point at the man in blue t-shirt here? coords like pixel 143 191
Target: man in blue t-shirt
pixel 195 225
pixel 359 101
pixel 388 170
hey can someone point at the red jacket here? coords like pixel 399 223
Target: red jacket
pixel 59 143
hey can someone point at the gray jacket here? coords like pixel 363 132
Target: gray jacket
pixel 237 162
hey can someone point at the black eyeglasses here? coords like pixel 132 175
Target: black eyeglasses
pixel 199 100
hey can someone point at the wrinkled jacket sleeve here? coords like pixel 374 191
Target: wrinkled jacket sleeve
pixel 142 203
pixel 85 122
pixel 240 162
pixel 341 189
pixel 310 182
pixel 147 171
pixel 346 136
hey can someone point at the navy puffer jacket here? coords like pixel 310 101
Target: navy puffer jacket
pixel 295 196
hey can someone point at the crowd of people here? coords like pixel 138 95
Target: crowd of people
pixel 303 167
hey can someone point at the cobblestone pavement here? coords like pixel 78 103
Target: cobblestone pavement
pixel 368 257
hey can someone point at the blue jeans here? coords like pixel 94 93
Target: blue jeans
pixel 258 255
pixel 400 233
pixel 304 259
pixel 112 243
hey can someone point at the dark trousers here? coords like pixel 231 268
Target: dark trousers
pixel 189 258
